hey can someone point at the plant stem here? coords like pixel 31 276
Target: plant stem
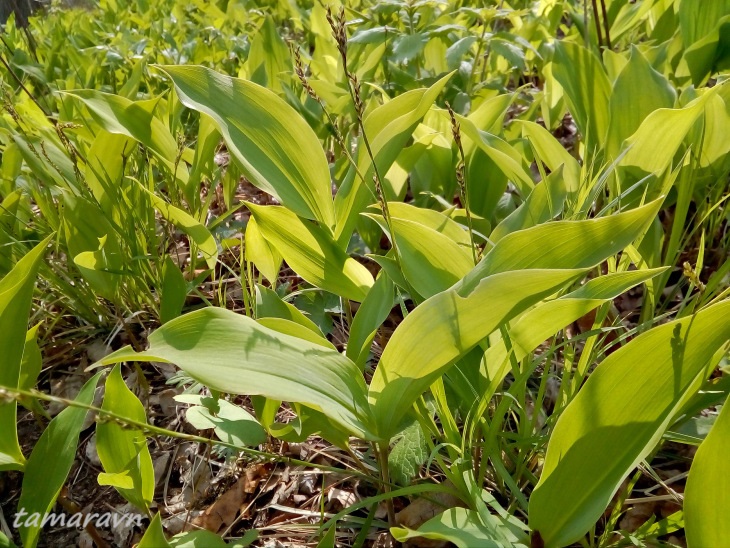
pixel 605 23
pixel 382 450
pixel 8 393
pixel 597 23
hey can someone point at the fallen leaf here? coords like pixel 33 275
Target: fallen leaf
pixel 224 510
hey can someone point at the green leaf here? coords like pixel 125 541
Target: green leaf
pixel 236 355
pixel 124 451
pixel 8 224
pixel 5 542
pixel 270 305
pixel 544 203
pixel 32 362
pixel 121 481
pixel 565 244
pixel 204 159
pixel 408 46
pixel 388 128
pixel 105 169
pixel 268 56
pixel 197 233
pixel 707 494
pixel 134 119
pixel 546 319
pixel 30 368
pixel 552 153
pixel 587 90
pixel 431 261
pixel 652 147
pixel 459 318
pixel 627 107
pixel 454 321
pixel 100 268
pixel 50 462
pixel 505 158
pixel 173 292
pixel 372 313
pixel 408 454
pixel 312 253
pixel 702 26
pixel 93 243
pixel 258 251
pixel 464 528
pixel 276 149
pixel 295 329
pixel 432 219
pixel 510 51
pixel 16 292
pixel 329 538
pixel 618 417
pixel 232 424
pixel 154 536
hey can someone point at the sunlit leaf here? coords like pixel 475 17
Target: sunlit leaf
pixel 124 451
pixel 312 253
pixel 276 149
pixel 261 362
pixel 16 291
pixel 618 417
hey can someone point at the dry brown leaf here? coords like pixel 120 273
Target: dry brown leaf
pixel 254 474
pixel 224 510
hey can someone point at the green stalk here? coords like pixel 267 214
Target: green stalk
pixel 102 415
pixel 382 451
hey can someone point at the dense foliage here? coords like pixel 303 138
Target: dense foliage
pixel 481 250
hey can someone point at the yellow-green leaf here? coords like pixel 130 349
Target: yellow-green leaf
pixel 707 494
pixel 618 417
pixel 16 291
pixel 276 149
pixel 312 253
pixel 232 353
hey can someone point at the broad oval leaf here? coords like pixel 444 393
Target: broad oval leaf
pixel 629 108
pixel 707 495
pixel 232 423
pixel 459 318
pixel 432 219
pixel 258 251
pixel 123 450
pixel 276 149
pixel 466 529
pixel 388 128
pixel 312 253
pixel 430 260
pixel 454 321
pixel 134 119
pixel 234 354
pixel 16 292
pixel 270 305
pixel 565 244
pixel 618 417
pixel 652 147
pixel 587 90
